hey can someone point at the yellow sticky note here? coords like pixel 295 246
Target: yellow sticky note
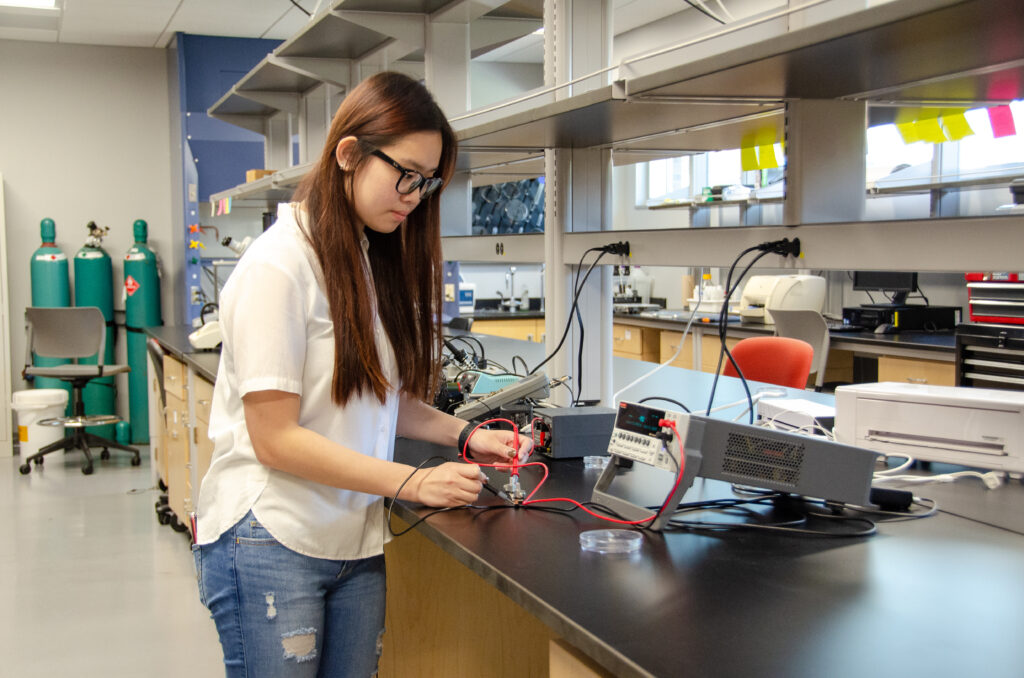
pixel 766 156
pixel 766 135
pixel 929 129
pixel 905 118
pixel 956 124
pixel 748 159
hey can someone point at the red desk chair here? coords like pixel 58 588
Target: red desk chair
pixel 773 360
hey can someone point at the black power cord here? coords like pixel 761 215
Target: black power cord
pixel 784 247
pixel 619 248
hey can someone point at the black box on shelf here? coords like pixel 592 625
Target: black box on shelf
pixel 902 317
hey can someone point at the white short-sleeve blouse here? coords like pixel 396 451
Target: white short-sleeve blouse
pixel 278 335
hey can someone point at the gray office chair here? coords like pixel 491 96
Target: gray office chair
pixel 75 332
pixel 460 323
pixel 810 326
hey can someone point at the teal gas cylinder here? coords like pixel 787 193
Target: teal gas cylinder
pixel 141 309
pixel 94 286
pixel 50 289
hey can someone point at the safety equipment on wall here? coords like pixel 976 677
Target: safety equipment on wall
pixel 141 297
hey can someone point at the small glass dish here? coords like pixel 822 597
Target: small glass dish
pixel 597 461
pixel 611 541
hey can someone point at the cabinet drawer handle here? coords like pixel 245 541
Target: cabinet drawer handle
pixel 917 380
pixel 203 402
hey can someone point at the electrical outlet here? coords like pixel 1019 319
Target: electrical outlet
pixel 193 295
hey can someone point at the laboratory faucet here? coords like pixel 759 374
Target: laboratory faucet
pixel 508 299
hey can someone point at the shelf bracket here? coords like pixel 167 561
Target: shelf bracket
pixel 282 101
pixel 488 33
pixel 253 123
pixel 337 72
pixel 406 28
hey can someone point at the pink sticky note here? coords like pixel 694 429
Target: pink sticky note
pixel 1001 118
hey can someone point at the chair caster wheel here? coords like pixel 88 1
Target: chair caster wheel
pixel 25 469
pixel 87 470
pixel 38 462
pixel 105 454
pixel 177 525
pixel 136 461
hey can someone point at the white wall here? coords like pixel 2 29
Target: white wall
pixel 83 136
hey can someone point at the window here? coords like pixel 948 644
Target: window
pixel 982 150
pixel 724 168
pixel 666 179
pixel 887 153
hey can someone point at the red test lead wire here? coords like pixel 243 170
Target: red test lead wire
pixel 515 466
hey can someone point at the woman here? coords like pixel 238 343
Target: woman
pixel 331 348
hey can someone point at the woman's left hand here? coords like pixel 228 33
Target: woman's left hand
pixel 493 446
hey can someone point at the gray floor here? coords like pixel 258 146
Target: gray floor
pixel 90 583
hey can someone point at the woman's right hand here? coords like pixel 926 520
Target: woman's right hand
pixel 450 484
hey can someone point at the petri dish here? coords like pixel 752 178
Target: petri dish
pixel 611 541
pixel 595 461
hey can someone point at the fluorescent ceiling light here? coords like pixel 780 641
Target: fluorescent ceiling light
pixel 42 4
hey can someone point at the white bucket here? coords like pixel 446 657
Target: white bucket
pixel 32 407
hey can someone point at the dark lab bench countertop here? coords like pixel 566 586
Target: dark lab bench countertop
pixel 920 597
pixel 174 339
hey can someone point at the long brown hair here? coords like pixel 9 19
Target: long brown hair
pixel 405 264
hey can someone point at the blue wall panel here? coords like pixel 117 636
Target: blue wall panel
pixel 216 154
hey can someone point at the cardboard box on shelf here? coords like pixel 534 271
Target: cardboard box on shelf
pixel 254 174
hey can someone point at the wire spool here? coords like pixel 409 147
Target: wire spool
pixel 516 211
pixel 511 190
pixel 491 193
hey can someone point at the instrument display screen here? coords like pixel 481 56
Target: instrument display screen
pixel 639 419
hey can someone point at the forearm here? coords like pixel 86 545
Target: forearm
pixel 420 421
pixel 304 453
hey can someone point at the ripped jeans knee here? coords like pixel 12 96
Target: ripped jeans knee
pixel 277 608
pixel 299 645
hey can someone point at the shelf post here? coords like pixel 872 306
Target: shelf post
pixel 825 151
pixel 447 61
pixel 577 41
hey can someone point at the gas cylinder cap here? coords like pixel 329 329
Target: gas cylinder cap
pixel 140 229
pixel 47 230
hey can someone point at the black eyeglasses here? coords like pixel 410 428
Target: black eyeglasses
pixel 410 180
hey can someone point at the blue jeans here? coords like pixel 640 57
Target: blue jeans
pixel 280 613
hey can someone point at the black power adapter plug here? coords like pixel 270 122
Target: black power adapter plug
pixel 891 500
pixel 785 247
pixel 620 248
